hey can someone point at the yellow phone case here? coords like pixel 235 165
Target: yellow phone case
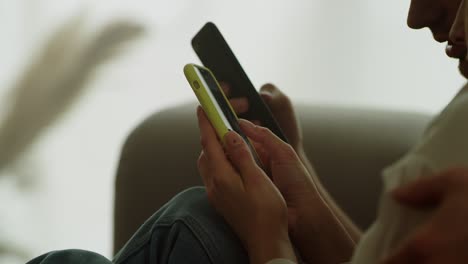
pixel 207 100
pixel 211 106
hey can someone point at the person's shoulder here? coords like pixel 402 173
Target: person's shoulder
pixel 452 123
pixel 445 144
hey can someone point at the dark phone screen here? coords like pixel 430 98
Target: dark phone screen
pixel 216 55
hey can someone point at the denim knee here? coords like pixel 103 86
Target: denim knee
pixel 70 256
pixel 185 230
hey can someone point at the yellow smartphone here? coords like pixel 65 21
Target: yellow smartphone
pixel 215 103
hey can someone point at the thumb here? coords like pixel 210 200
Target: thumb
pixel 425 192
pixel 278 149
pixel 239 154
pixel 282 109
pixel 276 99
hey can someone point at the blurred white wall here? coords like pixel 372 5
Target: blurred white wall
pixel 319 51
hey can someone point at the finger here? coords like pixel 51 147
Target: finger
pixel 278 149
pixel 275 98
pixel 257 122
pixel 422 193
pixel 240 105
pixel 416 249
pixel 268 88
pixel 266 96
pixel 404 257
pixel 426 191
pixel 218 184
pixel 209 140
pixel 264 156
pixel 239 154
pixel 217 172
pixel 258 147
pixel 283 110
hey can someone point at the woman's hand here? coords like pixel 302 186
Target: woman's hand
pixel 244 195
pixel 444 237
pixel 307 199
pixel 317 231
pixel 314 229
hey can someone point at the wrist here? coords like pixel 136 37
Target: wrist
pixel 265 248
pixel 321 237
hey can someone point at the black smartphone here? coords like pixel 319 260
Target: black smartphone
pixel 215 54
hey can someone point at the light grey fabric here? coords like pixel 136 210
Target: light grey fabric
pixel 348 147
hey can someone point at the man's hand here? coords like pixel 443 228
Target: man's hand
pixel 444 237
pixel 243 194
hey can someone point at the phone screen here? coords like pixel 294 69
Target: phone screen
pixel 219 99
pixel 215 54
pixel 223 106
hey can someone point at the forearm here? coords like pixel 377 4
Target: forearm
pixel 321 237
pixel 353 231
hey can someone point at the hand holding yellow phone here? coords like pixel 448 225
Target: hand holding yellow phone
pixel 215 104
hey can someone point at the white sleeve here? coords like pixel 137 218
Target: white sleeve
pixel 280 261
pixel 443 146
pixel 393 220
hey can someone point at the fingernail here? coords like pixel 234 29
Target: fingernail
pixel 232 139
pixel 199 109
pixel 266 94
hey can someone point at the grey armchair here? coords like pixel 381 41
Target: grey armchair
pixel 348 147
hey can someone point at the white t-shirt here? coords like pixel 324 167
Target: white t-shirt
pixel 444 145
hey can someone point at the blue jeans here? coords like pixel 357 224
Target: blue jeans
pixel 185 230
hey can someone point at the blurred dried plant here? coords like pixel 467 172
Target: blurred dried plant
pixel 48 87
pixel 55 79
